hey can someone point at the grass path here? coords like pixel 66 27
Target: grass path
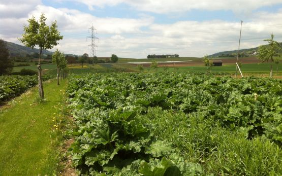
pixel 28 136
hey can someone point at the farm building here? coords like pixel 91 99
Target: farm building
pixel 217 62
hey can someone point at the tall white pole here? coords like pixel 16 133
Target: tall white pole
pixel 237 66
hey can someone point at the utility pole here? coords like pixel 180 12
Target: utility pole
pixel 237 65
pixel 93 40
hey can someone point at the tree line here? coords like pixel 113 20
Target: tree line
pixel 91 60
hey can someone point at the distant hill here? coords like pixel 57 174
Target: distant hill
pixel 242 52
pixel 19 50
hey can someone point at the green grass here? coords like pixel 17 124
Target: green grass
pixel 34 67
pixel 261 68
pixel 97 68
pixel 29 139
pixel 219 150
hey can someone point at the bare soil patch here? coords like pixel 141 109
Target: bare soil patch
pixel 68 169
pixel 199 62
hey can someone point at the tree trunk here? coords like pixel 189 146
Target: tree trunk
pixel 40 85
pixel 58 76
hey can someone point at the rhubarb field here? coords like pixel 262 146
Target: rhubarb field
pixel 176 124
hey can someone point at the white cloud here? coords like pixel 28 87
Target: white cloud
pixel 167 6
pixel 74 26
pixel 17 8
pixel 200 38
pixel 75 21
pixel 129 37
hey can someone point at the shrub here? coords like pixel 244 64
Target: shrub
pixel 27 72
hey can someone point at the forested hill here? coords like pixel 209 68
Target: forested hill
pixel 245 52
pixel 19 50
pixel 242 52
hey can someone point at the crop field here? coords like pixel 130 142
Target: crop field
pixel 151 88
pixel 188 61
pixel 12 86
pixel 249 66
pixel 176 119
pixel 169 123
pixel 126 60
pixel 33 66
pixel 255 68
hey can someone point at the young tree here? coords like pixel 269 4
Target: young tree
pixel 140 67
pixel 60 60
pixel 208 64
pixel 90 60
pixel 83 59
pixel 6 63
pixel 95 59
pixel 70 59
pixel 114 58
pixel 154 64
pixel 268 52
pixel 38 33
pixel 65 72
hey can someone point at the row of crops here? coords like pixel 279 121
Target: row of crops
pixel 12 86
pixel 176 124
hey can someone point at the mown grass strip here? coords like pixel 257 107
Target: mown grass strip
pixel 28 136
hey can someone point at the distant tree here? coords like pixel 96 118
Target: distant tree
pixel 49 56
pixel 208 64
pixel 64 68
pixel 76 58
pixel 95 59
pixel 6 63
pixel 268 52
pixel 114 58
pixel 276 61
pixel 37 33
pixel 83 59
pixel 140 67
pixel 60 60
pixel 154 64
pixel 65 72
pixel 90 60
pixel 70 59
pixel 85 55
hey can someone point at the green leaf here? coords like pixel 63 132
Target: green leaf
pixel 164 168
pixel 159 148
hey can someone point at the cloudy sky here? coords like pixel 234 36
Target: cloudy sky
pixel 136 28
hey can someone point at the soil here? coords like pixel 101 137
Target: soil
pixel 66 162
pixel 249 60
